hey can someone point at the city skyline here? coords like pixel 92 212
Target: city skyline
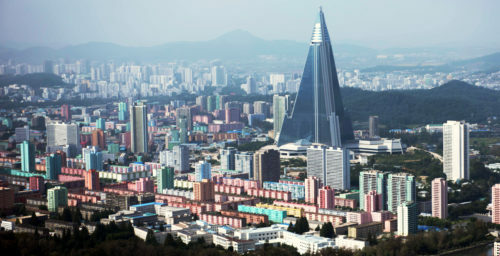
pixel 464 22
pixel 242 145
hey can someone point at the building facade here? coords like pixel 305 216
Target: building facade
pixel 138 128
pixel 439 198
pixel 456 150
pixel 330 165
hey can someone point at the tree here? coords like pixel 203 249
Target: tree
pixel 66 215
pixel 34 221
pixel 291 228
pixel 301 225
pixel 317 228
pixel 150 238
pixel 76 216
pixel 170 241
pixel 327 230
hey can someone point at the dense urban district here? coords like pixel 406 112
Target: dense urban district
pixel 184 159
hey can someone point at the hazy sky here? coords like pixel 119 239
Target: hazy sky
pixel 374 23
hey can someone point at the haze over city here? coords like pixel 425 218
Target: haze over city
pixel 378 24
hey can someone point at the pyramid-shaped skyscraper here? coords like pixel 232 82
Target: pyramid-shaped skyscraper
pixel 318 114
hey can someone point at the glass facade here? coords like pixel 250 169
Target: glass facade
pixel 318 114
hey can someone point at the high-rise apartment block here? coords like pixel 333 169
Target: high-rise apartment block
pixel 122 111
pixel 92 180
pixel 373 202
pixel 372 180
pixel 98 139
pixel 456 150
pixel 27 156
pixel 243 162
pixel 66 112
pixel 373 126
pixel 165 179
pixel 400 189
pixel 203 170
pixel 266 164
pixel 180 158
pixel 312 185
pixel 495 203
pixel 61 134
pixel 93 159
pixel 204 191
pixel 57 196
pixel 439 193
pixel 280 110
pixel 138 128
pixel 53 166
pixel 37 183
pixel 326 198
pixel 227 158
pixel 407 218
pixel 330 165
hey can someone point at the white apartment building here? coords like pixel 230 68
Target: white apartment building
pixel 456 150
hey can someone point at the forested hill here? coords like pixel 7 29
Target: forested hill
pixel 35 80
pixel 455 100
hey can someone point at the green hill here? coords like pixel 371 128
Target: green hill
pixel 455 100
pixel 35 80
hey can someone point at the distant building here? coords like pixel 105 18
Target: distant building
pixel 456 150
pixel 407 218
pixel 204 191
pixel 27 156
pixel 37 183
pixel 330 165
pixel 495 201
pixel 280 110
pixel 6 198
pixel 400 189
pixel 93 159
pixel 53 166
pixel 266 163
pixel 373 202
pixel 372 180
pixel 373 127
pixel 261 107
pixel 312 185
pixel 203 170
pixel 250 87
pixel 243 162
pixel 122 111
pixel 66 112
pixel 180 158
pixel 165 179
pixel 61 134
pixel 326 198
pixel 92 180
pixel 439 198
pixel 227 158
pixel 100 124
pixel 57 196
pixel 219 76
pixel 138 128
pixel 98 139
pixel 22 134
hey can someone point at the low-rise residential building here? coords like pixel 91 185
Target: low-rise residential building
pixel 364 230
pixel 343 241
pixel 238 245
